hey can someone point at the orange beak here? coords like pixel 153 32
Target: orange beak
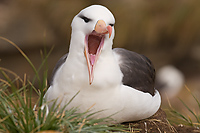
pixel 93 45
pixel 101 28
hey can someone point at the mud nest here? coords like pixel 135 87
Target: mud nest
pixel 158 123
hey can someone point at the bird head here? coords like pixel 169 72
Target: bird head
pixel 94 27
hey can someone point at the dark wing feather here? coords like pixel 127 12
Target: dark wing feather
pixel 58 64
pixel 138 71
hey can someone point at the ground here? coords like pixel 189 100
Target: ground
pixel 158 123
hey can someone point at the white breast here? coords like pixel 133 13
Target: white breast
pixel 106 92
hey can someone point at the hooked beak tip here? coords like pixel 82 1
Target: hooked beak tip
pixel 109 28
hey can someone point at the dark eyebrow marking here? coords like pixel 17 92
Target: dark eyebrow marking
pixel 111 25
pixel 85 18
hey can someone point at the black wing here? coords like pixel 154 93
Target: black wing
pixel 58 64
pixel 138 71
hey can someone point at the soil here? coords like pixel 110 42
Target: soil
pixel 158 123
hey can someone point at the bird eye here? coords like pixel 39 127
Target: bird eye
pixel 85 19
pixel 111 25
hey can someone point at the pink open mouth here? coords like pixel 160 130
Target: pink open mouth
pixel 93 45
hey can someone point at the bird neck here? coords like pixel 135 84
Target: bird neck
pixel 77 43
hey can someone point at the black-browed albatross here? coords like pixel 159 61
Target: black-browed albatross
pixel 113 80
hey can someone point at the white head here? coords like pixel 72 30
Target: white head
pixel 92 32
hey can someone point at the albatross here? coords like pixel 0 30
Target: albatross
pixel 117 82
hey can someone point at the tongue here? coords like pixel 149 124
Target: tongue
pixel 92 59
pixel 94 41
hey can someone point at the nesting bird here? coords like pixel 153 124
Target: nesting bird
pixel 117 81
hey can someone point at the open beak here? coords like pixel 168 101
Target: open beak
pixel 93 45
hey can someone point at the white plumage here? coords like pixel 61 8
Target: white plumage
pixel 97 74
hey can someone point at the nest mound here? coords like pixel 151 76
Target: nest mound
pixel 158 123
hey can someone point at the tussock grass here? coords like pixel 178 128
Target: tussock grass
pixel 177 117
pixel 17 114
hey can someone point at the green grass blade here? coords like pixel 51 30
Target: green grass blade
pixel 23 54
pixel 190 110
pixel 197 101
